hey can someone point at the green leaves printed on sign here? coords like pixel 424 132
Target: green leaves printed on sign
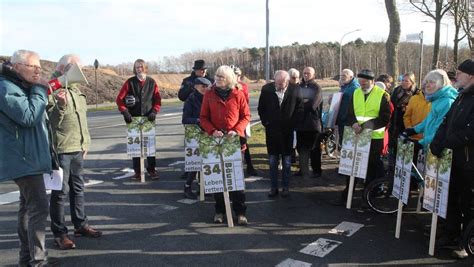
pixel 219 146
pixel 192 131
pixel 140 123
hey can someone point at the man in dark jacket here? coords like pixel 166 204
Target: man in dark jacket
pixel 279 108
pixel 25 149
pixel 199 70
pixel 308 131
pixel 457 133
pixel 140 96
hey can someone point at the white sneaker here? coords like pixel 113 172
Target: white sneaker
pixel 242 220
pixel 219 218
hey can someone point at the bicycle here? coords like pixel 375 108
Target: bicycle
pixel 378 193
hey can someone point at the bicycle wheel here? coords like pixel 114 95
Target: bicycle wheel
pixel 378 195
pixel 468 238
pixel 330 145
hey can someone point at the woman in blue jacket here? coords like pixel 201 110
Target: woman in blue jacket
pixel 441 94
pixel 191 112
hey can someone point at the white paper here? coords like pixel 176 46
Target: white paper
pixel 321 247
pixel 54 180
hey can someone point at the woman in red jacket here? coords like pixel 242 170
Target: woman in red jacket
pixel 225 110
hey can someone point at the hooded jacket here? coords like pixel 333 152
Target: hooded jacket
pixel 440 103
pixel 348 91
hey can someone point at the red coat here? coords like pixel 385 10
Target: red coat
pixel 245 89
pixel 231 115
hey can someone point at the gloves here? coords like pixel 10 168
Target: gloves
pixel 436 150
pixel 127 116
pixel 409 132
pixel 152 116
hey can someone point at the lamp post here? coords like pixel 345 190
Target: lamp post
pixel 96 65
pixel 340 49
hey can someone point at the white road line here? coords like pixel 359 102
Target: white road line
pixel 12 197
pixel 171 114
pixel 130 174
pixel 187 201
pixel 176 163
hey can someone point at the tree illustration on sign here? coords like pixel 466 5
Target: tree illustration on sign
pixel 192 132
pixel 140 124
pixel 364 138
pixel 348 135
pixel 445 161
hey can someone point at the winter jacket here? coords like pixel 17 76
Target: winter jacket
pixel 347 91
pixel 23 128
pixel 192 108
pixel 400 99
pixel 187 86
pixel 312 96
pixel 147 96
pixel 440 103
pixel 457 130
pixel 233 114
pixel 69 122
pixel 416 111
pixel 280 120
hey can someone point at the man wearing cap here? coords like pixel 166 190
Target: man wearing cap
pixel 199 70
pixel 457 133
pixel 191 112
pixel 369 108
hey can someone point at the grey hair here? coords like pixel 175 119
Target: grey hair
pixel 348 72
pixel 229 75
pixel 281 74
pixel 439 76
pixel 21 56
pixel 293 72
pixel 67 59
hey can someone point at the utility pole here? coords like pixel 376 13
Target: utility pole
pixel 267 48
pixel 96 65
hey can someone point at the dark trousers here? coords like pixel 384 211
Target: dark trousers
pixel 73 185
pixel 247 158
pixel 459 200
pixel 150 166
pixel 309 145
pixel 238 202
pixel 32 217
pixel 190 177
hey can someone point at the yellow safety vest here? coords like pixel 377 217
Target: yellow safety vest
pixel 365 110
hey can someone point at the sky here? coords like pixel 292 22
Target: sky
pixel 117 31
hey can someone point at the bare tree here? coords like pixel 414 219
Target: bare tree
pixel 434 9
pixel 467 19
pixel 391 46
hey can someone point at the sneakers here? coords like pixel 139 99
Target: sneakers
pixel 273 192
pixel 64 243
pixel 242 220
pixel 87 231
pixel 459 253
pixel 219 218
pixel 153 175
pixel 188 193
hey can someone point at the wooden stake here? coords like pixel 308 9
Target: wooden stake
pixel 201 186
pixel 434 223
pixel 228 210
pixel 399 219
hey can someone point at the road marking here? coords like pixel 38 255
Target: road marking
pixel 293 263
pixel 320 247
pixel 171 114
pixel 187 201
pixel 252 179
pixel 12 197
pixel 346 228
pixel 176 163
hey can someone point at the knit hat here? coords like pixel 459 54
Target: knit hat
pixel 467 66
pixel 366 74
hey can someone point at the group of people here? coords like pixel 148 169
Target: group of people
pixel 41 130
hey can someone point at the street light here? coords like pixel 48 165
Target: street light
pixel 446 44
pixel 96 65
pixel 340 49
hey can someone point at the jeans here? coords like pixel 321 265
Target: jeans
pixel 73 183
pixel 190 176
pixel 151 164
pixel 285 177
pixel 32 217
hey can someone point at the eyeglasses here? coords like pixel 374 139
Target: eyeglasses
pixel 220 77
pixel 31 66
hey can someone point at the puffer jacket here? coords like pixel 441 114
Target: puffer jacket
pixel 440 103
pixel 233 114
pixel 457 130
pixel 69 123
pixel 24 139
pixel 192 108
pixel 416 111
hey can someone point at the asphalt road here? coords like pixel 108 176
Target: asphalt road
pixel 145 225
